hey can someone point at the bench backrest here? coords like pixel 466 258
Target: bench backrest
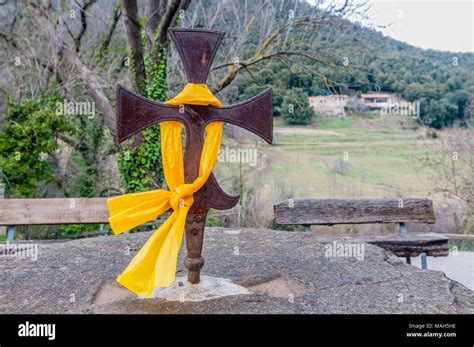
pixel 292 211
pixel 354 211
pixel 53 211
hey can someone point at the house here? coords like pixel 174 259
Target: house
pixel 332 105
pixel 378 100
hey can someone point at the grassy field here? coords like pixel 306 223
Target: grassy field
pixel 340 157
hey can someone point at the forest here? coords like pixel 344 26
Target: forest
pixel 361 60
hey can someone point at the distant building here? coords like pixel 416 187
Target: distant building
pixel 378 100
pixel 332 105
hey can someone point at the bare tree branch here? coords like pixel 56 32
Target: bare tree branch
pixel 266 50
pixel 83 9
pixel 155 9
pixel 162 17
pixel 89 78
pixel 108 38
pixel 133 33
pixel 167 20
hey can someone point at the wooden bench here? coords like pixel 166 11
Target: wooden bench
pixel 309 212
pixel 14 212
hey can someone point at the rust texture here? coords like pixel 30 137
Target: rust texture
pixel 197 49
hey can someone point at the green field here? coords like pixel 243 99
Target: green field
pixel 339 157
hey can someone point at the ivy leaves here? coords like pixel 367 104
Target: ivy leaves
pixel 29 135
pixel 140 166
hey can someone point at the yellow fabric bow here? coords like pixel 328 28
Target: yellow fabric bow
pixel 155 263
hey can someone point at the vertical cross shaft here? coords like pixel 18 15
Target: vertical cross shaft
pixel 196 219
pixel 197 49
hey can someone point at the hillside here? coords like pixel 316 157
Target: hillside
pixel 350 58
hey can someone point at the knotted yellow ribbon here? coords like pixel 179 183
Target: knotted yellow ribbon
pixel 155 263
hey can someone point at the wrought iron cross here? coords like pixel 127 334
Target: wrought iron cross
pixel 197 49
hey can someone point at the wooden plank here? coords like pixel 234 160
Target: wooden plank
pixel 53 211
pixel 354 211
pixel 409 245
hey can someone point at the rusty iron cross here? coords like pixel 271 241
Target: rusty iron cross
pixel 197 49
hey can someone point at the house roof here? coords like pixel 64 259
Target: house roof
pixel 329 96
pixel 376 95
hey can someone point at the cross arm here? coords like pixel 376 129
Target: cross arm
pixel 254 115
pixel 135 113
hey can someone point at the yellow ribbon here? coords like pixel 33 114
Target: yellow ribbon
pixel 155 263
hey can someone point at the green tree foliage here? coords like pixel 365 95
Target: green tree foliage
pixel 363 60
pixel 28 136
pixel 295 107
pixel 289 92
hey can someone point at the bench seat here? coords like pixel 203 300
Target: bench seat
pixel 409 245
pixel 309 212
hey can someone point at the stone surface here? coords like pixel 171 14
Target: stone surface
pixel 209 288
pixel 286 272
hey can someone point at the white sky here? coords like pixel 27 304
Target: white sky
pixel 439 24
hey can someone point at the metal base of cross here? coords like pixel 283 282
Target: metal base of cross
pixel 194 230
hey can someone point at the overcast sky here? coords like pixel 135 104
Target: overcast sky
pixel 439 24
